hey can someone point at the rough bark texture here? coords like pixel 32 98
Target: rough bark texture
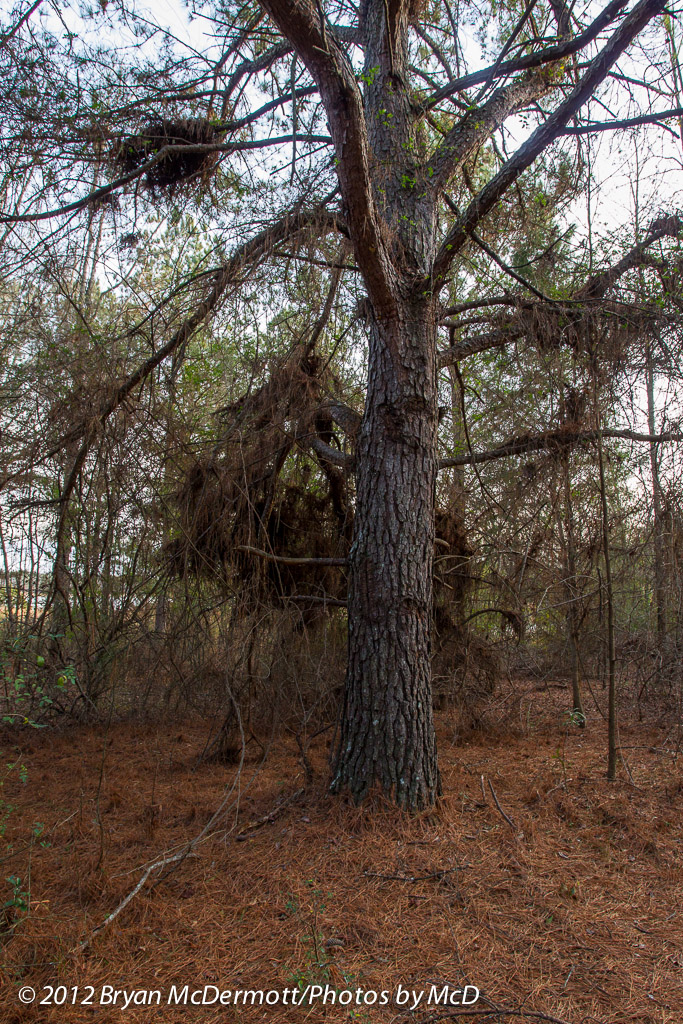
pixel 387 733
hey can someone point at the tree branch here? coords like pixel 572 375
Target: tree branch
pixel 299 22
pixel 166 151
pixel 287 560
pixel 593 290
pixel 627 122
pixel 554 441
pixel 248 254
pixel 478 124
pixel 532 60
pixel 326 452
pixel 345 417
pixel 664 227
pixel 480 343
pixel 483 203
pixel 507 269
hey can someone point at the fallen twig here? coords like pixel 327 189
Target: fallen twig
pixel 495 799
pixel 253 826
pixel 173 861
pixel 134 891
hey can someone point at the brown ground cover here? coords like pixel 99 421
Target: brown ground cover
pixel 573 908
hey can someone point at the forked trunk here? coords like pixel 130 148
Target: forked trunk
pixel 387 734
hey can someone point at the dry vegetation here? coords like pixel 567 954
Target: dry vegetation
pixel 573 913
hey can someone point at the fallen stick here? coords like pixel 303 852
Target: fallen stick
pixel 417 878
pixel 495 798
pixel 253 826
pixel 131 895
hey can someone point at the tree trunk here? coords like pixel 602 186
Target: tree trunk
pixel 572 591
pixel 660 571
pixel 387 734
pixel 612 724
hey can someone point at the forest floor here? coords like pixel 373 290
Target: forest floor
pixel 572 909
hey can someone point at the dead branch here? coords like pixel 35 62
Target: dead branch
pixel 532 60
pixel 554 440
pixel 626 122
pixel 253 826
pixel 416 878
pixel 285 560
pixel 497 803
pixel 493 1012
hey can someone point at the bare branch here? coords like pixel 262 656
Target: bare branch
pixel 533 60
pixel 284 560
pixel 507 269
pixel 664 227
pixel 627 122
pixel 593 290
pixel 484 202
pixel 244 258
pixel 480 343
pixel 166 151
pixel 554 441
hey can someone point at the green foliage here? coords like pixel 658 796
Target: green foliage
pixel 16 905
pixel 30 688
pixel 369 76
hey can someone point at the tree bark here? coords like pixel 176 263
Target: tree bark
pixel 612 723
pixel 572 592
pixel 659 568
pixel 387 732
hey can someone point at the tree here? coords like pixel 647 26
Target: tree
pixel 400 140
pixel 390 184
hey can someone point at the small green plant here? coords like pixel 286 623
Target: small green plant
pixel 291 904
pixel 17 904
pixel 19 898
pixel 369 76
pixel 558 756
pixel 570 718
pixel 575 717
pixel 316 968
pixel 23 673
